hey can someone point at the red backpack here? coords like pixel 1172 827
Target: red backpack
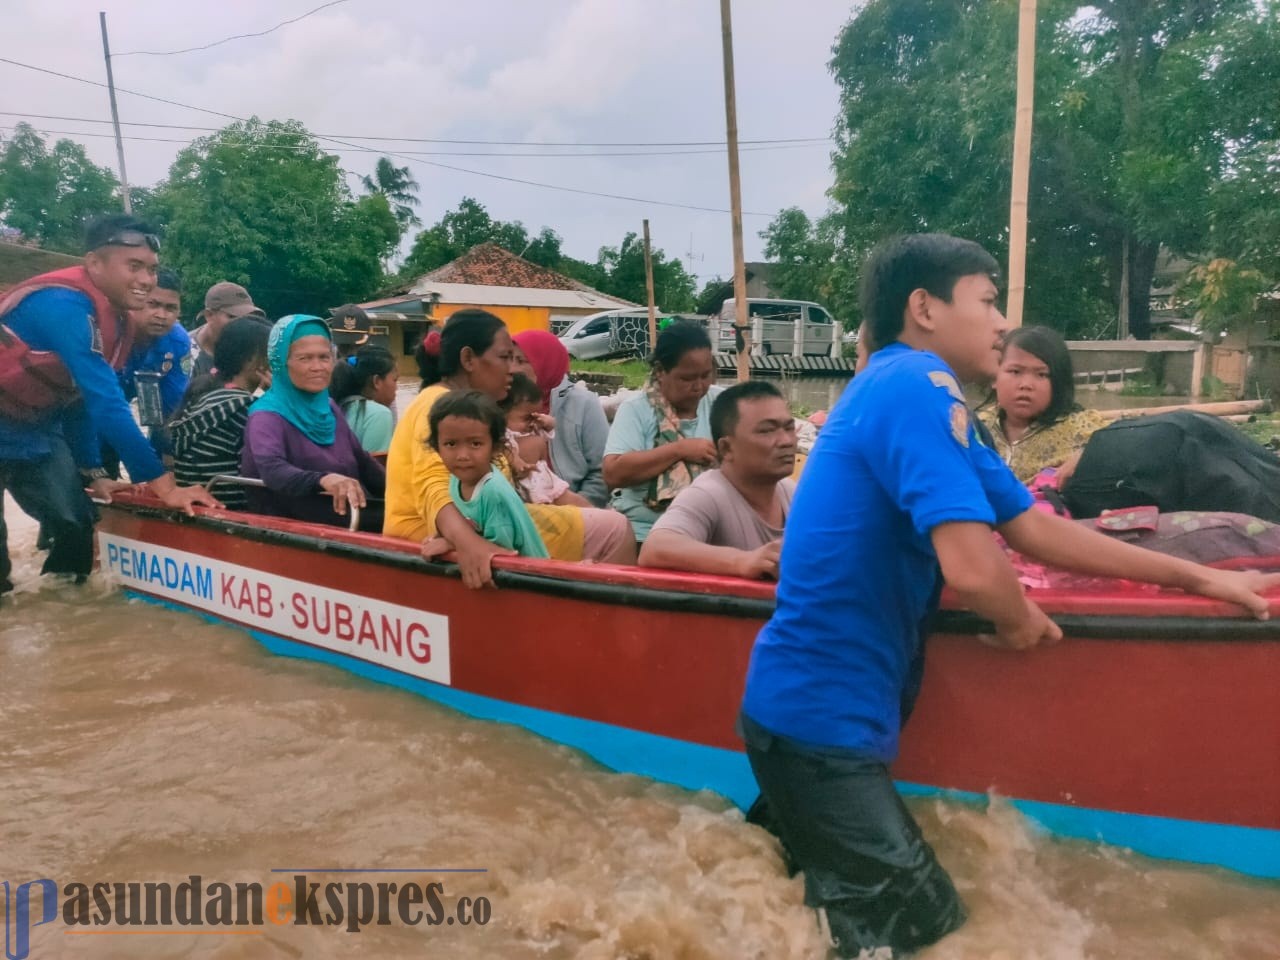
pixel 35 383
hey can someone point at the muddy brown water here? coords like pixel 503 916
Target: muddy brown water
pixel 143 744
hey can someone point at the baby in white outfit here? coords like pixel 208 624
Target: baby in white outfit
pixel 529 432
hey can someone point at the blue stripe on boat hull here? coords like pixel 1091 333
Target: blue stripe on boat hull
pixel 1249 850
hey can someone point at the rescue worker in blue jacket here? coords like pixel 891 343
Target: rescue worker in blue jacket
pixel 162 354
pixel 70 327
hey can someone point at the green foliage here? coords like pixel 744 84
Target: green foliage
pixel 1143 386
pixel 1244 219
pixel 470 224
pixel 808 261
pixel 1244 211
pixel 801 261
pixel 50 194
pixel 634 372
pixel 262 205
pixel 1223 293
pixel 622 275
pixel 1211 389
pixel 146 205
pixel 1266 430
pixel 1154 126
pixel 713 296
pixel 618 271
pixel 400 189
pixel 592 274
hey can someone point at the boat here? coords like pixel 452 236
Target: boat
pixel 1155 725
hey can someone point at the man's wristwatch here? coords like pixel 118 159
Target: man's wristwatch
pixel 95 473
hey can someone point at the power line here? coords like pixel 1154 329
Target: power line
pixel 238 36
pixel 97 83
pixel 430 163
pixel 779 141
pixel 444 153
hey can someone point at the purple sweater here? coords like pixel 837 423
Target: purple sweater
pixel 278 453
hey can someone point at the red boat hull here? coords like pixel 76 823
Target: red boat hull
pixel 1153 727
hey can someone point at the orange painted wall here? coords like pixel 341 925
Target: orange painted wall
pixel 517 319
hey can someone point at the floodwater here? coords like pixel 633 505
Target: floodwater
pixel 140 744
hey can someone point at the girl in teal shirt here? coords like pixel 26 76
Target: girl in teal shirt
pixel 468 430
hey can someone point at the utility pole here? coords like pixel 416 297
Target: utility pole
pixel 741 320
pixel 115 115
pixel 1122 319
pixel 1023 113
pixel 648 286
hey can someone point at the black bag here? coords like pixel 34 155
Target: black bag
pixel 1175 461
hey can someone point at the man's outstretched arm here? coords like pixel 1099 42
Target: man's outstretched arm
pixel 974 566
pixel 1062 543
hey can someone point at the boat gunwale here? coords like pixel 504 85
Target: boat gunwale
pixel 718 596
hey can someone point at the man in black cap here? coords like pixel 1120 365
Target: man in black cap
pixel 224 302
pixel 350 326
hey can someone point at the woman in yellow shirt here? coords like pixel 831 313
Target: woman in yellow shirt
pixel 1034 418
pixel 475 352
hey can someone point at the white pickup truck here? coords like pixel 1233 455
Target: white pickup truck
pixel 798 328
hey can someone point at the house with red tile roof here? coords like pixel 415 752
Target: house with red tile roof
pixel 526 296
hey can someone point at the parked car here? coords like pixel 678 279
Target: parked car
pixel 600 335
pixel 773 325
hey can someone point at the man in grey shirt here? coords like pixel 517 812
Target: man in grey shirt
pixel 730 520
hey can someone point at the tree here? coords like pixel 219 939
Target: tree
pixel 1244 208
pixel 470 224
pixel 1142 113
pixel 1222 293
pixel 1153 129
pixel 804 255
pixel 925 131
pixel 50 194
pixel 618 271
pixel 544 249
pixel 262 205
pixel 400 189
pixel 147 204
pixel 712 296
pixel 623 275
pixel 592 274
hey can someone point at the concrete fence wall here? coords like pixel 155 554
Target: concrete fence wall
pixel 1262 371
pixel 1178 364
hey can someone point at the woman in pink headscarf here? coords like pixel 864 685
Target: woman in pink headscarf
pixel 577 449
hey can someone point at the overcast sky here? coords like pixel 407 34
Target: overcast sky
pixel 572 71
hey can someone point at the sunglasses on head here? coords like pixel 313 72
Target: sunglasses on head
pixel 132 238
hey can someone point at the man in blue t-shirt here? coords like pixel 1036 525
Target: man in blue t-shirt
pixel 162 353
pixel 898 495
